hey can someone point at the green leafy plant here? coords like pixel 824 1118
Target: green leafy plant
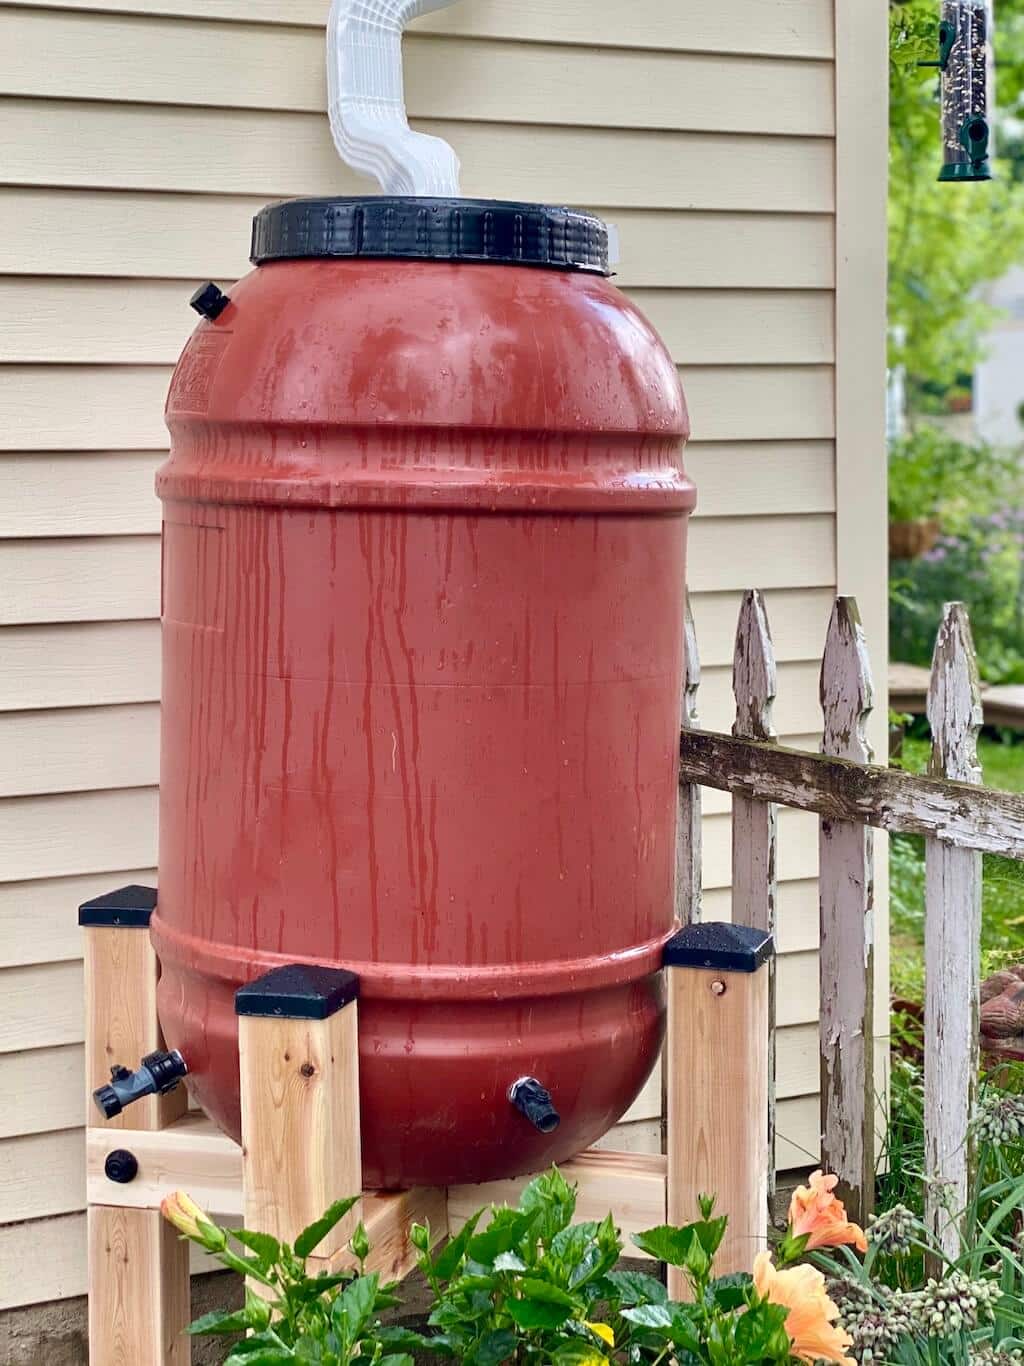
pixel 532 1286
pixel 318 1319
pixel 894 1303
pixel 932 474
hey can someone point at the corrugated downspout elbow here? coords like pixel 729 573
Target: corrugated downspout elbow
pixel 366 99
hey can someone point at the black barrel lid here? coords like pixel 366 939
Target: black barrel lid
pixel 489 231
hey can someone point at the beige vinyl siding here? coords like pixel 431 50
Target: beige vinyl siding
pixel 123 234
pixel 129 173
pixel 784 28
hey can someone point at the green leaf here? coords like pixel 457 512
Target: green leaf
pixel 219 1322
pixel 310 1351
pixel 506 1229
pixel 553 1201
pixel 578 1353
pixel 535 1289
pixel 657 1317
pixel 509 1261
pixel 396 1338
pixel 312 1287
pixel 758 1332
pixel 579 1255
pixel 731 1292
pixel 496 1347
pixel 451 1256
pixel 262 1356
pixel 467 1283
pixel 710 1232
pixel 267 1249
pixel 636 1287
pixel 670 1321
pixel 668 1244
pixel 532 1313
pixel 353 1307
pixel 314 1235
pixel 401 1359
pixel 263 1350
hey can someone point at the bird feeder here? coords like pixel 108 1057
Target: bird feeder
pixel 964 63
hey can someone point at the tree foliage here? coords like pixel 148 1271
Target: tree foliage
pixel 946 241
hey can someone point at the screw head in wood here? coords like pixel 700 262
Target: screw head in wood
pixel 718 987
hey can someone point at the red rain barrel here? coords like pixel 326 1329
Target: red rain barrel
pixel 423 575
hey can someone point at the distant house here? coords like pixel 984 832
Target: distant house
pixel 739 145
pixel 999 378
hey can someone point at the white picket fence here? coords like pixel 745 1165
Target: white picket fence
pixel 959 820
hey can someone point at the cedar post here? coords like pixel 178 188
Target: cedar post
pixel 718 1085
pixel 138 1269
pixel 298 1043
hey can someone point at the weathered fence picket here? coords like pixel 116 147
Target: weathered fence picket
pixel 689 847
pixel 688 823
pixel 846 889
pixel 755 822
pixel 952 940
pixel 850 794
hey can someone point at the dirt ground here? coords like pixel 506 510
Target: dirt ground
pixel 57 1335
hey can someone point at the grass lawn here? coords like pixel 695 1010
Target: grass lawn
pixel 1002 935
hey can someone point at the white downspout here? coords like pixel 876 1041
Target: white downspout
pixel 367 99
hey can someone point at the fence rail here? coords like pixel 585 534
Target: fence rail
pixel 959 820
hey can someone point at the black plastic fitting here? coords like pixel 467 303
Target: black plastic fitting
pixel 157 1074
pixel 121 1166
pixel 534 1101
pixel 209 301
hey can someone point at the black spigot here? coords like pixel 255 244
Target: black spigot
pixel 534 1101
pixel 157 1074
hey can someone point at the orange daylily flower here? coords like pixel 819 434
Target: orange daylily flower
pixel 814 1210
pixel 801 1290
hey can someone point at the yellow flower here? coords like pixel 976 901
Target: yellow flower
pixel 809 1322
pixel 815 1211
pixel 604 1332
pixel 182 1211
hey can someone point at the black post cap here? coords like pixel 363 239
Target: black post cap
pixel 127 908
pixel 719 947
pixel 298 991
pixel 209 301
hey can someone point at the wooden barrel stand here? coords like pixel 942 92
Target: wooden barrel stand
pixel 299 1074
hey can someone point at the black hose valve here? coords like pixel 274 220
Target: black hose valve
pixel 534 1101
pixel 157 1074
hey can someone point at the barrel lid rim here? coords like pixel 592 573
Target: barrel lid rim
pixel 427 227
